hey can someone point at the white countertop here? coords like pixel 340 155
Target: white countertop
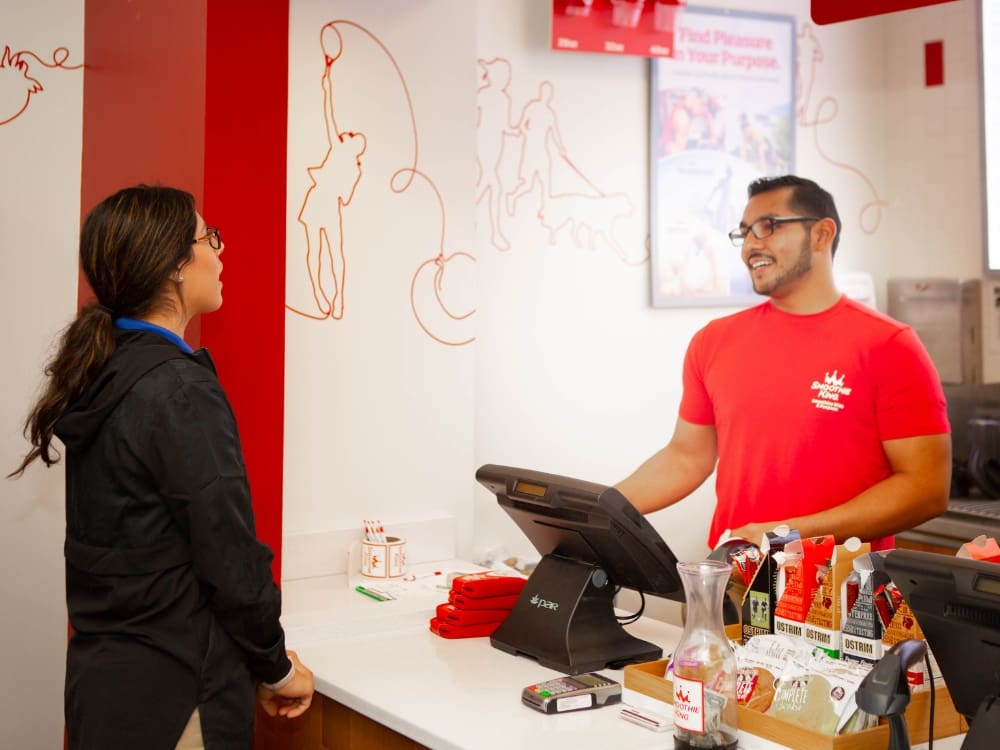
pixel 382 660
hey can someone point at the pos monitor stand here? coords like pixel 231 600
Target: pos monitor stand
pixel 592 542
pixel 956 602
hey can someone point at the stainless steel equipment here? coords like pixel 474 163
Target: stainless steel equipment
pixel 947 316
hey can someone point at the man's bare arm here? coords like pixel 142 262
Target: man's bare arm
pixel 675 471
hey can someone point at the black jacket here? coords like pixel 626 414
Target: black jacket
pixel 169 592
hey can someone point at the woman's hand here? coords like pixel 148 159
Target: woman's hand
pixel 292 699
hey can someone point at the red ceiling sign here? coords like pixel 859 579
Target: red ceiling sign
pixel 616 27
pixel 832 11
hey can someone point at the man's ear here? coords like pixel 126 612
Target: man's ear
pixel 824 233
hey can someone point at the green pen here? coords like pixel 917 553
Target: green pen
pixel 366 592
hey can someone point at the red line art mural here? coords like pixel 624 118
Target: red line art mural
pixel 539 130
pixel 18 84
pixel 440 309
pixel 588 214
pixel 334 181
pixel 810 115
pixel 493 106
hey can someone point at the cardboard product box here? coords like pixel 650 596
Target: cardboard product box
pixel 862 626
pixel 903 627
pixel 823 621
pixel 648 679
pixel 744 557
pixel 757 614
pixel 798 581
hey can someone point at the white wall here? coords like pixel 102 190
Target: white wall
pixel 935 225
pixel 574 372
pixel 934 146
pixel 379 401
pixel 39 219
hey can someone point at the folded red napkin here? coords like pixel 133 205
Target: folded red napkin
pixel 490 583
pixel 449 630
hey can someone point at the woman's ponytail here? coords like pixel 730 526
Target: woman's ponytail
pixel 130 243
pixel 84 348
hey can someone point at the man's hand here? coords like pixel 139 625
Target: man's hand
pixel 294 698
pixel 752 532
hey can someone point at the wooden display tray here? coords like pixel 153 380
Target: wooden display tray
pixel 648 679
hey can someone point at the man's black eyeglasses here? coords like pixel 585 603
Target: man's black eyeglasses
pixel 765 227
pixel 214 237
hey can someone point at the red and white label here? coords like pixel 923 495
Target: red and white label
pixel 689 704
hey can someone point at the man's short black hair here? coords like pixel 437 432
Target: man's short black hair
pixel 808 199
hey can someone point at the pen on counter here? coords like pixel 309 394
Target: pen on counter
pixel 376 595
pixel 414 577
pixel 386 596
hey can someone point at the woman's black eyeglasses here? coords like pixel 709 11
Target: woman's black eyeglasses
pixel 214 237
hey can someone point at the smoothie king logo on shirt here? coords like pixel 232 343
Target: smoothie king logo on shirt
pixel 828 394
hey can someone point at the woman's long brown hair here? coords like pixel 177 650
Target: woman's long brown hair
pixel 130 244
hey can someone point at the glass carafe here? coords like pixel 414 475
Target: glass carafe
pixel 704 666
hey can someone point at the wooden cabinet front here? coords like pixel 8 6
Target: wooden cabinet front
pixel 327 725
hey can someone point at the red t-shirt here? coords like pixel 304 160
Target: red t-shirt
pixel 802 403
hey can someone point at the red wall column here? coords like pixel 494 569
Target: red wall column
pixel 193 95
pixel 245 170
pixel 143 101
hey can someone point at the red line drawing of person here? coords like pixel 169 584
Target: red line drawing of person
pixel 493 109
pixel 538 127
pixel 582 209
pixel 17 86
pixel 334 182
pixel 810 55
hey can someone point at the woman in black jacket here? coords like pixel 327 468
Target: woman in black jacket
pixel 170 595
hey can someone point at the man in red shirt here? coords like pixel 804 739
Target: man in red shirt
pixel 820 412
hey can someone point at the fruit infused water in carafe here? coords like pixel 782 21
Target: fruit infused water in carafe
pixel 704 665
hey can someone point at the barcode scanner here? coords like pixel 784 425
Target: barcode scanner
pixel 885 691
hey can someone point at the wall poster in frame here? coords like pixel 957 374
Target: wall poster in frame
pixel 722 113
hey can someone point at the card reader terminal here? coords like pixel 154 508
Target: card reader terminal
pixel 572 693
